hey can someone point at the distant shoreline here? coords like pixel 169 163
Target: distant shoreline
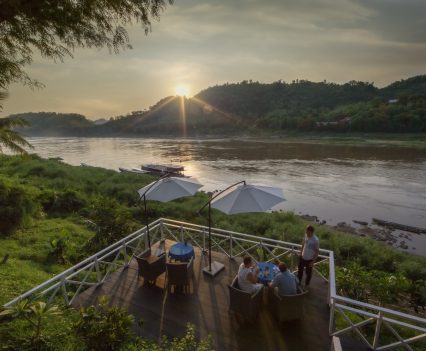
pixel 397 239
pixel 354 139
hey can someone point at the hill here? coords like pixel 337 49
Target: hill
pixel 173 116
pixel 249 106
pixel 54 124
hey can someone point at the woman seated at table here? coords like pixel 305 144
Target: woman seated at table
pixel 247 276
pixel 285 281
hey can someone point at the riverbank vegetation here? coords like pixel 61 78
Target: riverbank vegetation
pixel 251 107
pixel 53 215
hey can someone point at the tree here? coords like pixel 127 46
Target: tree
pixel 9 138
pixel 56 27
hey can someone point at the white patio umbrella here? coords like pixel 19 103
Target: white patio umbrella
pixel 241 198
pixel 167 189
pixel 248 198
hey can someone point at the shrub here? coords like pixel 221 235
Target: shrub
pixel 186 343
pixel 57 247
pixel 103 328
pixel 68 202
pixel 113 223
pixel 47 199
pixel 15 206
pixel 36 314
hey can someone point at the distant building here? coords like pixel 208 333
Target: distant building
pixel 342 121
pixel 100 121
pixel 324 124
pixel 392 101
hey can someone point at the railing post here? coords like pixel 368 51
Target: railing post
pixel 204 240
pixel 64 290
pixel 146 238
pixel 181 233
pixel 328 285
pixel 98 271
pixel 377 332
pixel 161 229
pixel 126 258
pixel 231 245
pixel 331 321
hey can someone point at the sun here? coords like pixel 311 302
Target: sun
pixel 182 90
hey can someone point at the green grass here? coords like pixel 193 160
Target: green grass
pixel 51 186
pixel 29 262
pixel 48 180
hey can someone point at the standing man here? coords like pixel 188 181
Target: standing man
pixel 308 254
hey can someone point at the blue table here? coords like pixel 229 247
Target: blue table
pixel 181 252
pixel 267 272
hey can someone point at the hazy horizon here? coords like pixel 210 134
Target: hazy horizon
pixel 201 44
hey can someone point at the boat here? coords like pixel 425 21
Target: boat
pixel 163 169
pixel 132 170
pixel 157 169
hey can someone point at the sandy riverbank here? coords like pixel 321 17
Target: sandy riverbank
pixel 400 239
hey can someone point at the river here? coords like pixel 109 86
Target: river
pixel 337 183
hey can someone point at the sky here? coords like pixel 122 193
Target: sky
pixel 201 43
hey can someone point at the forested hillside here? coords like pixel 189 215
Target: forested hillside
pixel 55 124
pixel 252 106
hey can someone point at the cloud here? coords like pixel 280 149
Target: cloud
pixel 203 43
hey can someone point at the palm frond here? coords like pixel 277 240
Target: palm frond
pixel 11 139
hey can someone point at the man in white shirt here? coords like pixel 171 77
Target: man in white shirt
pixel 247 276
pixel 308 254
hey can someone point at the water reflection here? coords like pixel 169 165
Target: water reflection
pixel 334 182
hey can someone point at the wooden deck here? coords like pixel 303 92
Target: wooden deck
pixel 207 306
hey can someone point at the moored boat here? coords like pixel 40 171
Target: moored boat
pixel 132 170
pixel 163 169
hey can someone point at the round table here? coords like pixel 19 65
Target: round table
pixel 267 272
pixel 181 252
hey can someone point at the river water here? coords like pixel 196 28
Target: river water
pixel 334 182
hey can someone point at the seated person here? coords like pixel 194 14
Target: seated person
pixel 247 276
pixel 276 263
pixel 285 281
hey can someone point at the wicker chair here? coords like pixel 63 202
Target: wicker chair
pixel 287 307
pixel 179 274
pixel 151 267
pixel 243 303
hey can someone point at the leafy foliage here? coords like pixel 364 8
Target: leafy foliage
pixel 53 124
pixel 103 328
pixel 56 29
pixel 187 343
pixel 10 138
pixel 110 203
pixel 114 222
pixel 250 107
pixel 57 247
pixel 16 205
pixel 36 313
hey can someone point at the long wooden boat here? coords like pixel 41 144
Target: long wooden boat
pixel 132 170
pixel 404 227
pixel 163 169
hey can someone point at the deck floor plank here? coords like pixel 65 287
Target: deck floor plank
pixel 207 308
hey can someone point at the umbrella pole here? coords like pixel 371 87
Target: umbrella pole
pixel 147 221
pixel 214 267
pixel 210 236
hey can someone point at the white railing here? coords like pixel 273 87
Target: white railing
pixel 91 271
pixel 385 322
pixel 95 269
